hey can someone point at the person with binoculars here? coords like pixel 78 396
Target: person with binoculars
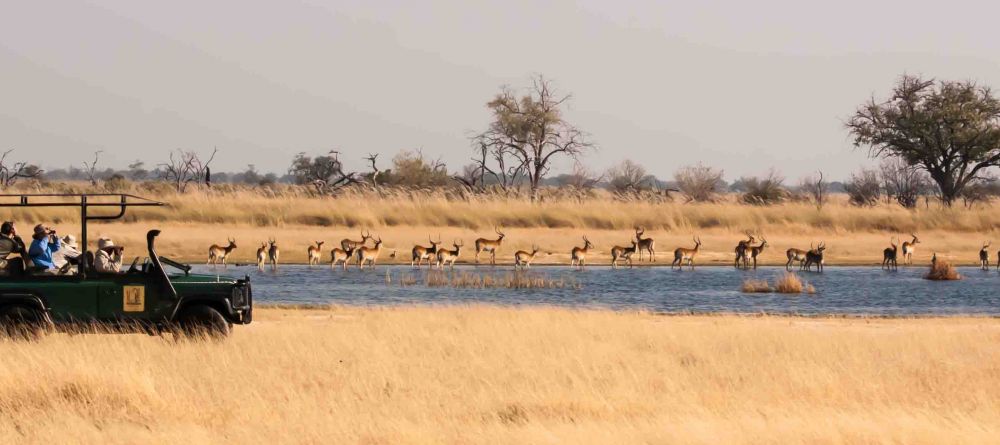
pixel 109 256
pixel 44 242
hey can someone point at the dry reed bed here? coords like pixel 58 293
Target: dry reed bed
pixel 414 375
pixel 479 280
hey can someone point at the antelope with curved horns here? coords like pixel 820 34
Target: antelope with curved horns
pixel 889 255
pixel 645 244
pixel 421 253
pixel 315 253
pixel 623 253
pixel 261 256
pixel 523 258
pixel 815 256
pixel 338 255
pixel 984 256
pixel 273 252
pixel 682 254
pixel 908 248
pixel 578 256
pixel 742 249
pixel 349 244
pixel 445 256
pixel 218 253
pixel 369 255
pixel 489 245
pixel 799 255
pixel 755 251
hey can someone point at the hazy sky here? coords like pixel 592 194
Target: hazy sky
pixel 739 85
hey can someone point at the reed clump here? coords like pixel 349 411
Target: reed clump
pixel 787 283
pixel 753 286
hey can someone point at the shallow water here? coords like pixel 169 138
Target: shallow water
pixel 839 290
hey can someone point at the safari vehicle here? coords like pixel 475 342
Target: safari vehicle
pixel 146 297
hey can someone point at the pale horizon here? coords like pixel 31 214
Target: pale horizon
pixel 736 86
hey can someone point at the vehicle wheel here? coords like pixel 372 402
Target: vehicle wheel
pixel 202 321
pixel 23 323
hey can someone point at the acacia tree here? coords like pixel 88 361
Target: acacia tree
pixel 325 173
pixel 950 129
pixel 11 172
pixel 530 130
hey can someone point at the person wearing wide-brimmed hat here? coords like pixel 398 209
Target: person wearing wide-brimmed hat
pixel 109 256
pixel 67 256
pixel 44 242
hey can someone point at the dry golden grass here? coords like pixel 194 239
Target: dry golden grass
pixel 414 375
pixel 942 270
pixel 789 283
pixel 197 219
pixel 752 286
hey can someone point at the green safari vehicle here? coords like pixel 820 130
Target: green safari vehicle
pixel 147 297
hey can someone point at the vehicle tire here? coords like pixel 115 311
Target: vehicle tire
pixel 202 321
pixel 23 323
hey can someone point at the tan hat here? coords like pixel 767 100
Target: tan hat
pixel 104 243
pixel 70 241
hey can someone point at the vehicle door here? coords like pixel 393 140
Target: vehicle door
pixel 134 295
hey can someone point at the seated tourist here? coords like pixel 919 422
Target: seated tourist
pixel 68 256
pixel 11 243
pixel 109 256
pixel 44 242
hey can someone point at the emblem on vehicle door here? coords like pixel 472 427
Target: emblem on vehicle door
pixel 134 298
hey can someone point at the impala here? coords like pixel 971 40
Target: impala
pixel 369 255
pixel 815 256
pixel 889 255
pixel 315 253
pixel 578 256
pixel 624 253
pixel 523 258
pixel 984 256
pixel 349 244
pixel 757 250
pixel 799 255
pixel 682 254
pixel 218 253
pixel 644 244
pixel 272 253
pixel 261 256
pixel 338 255
pixel 742 249
pixel 489 245
pixel 449 256
pixel 908 248
pixel 421 253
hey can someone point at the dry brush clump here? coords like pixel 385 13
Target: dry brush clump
pixel 942 270
pixel 786 283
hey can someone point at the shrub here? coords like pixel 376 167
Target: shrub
pixel 864 188
pixel 629 177
pixel 699 183
pixel 764 191
pixel 942 270
pixel 756 286
pixel 789 283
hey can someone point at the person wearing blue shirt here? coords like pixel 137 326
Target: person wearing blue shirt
pixel 43 244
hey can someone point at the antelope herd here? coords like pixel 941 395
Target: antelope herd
pixel 747 252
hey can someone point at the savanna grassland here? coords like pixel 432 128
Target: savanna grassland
pixel 483 374
pixel 295 217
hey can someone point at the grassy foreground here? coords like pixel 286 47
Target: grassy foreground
pixel 507 375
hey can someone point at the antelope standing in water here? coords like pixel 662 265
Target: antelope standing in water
pixel 218 253
pixel 421 253
pixel 742 249
pixel 445 256
pixel 578 256
pixel 755 251
pixel 523 258
pixel 984 256
pixel 349 244
pixel 338 255
pixel 623 253
pixel 369 255
pixel 815 256
pixel 799 255
pixel 644 244
pixel 272 253
pixel 315 253
pixel 261 256
pixel 489 245
pixel 889 255
pixel 682 254
pixel 908 248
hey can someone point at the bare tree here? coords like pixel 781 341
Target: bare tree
pixel 10 173
pixel 185 167
pixel 372 158
pixel 91 168
pixel 325 173
pixel 699 183
pixel 629 177
pixel 497 162
pixel 903 182
pixel 864 188
pixel 531 131
pixel 817 189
